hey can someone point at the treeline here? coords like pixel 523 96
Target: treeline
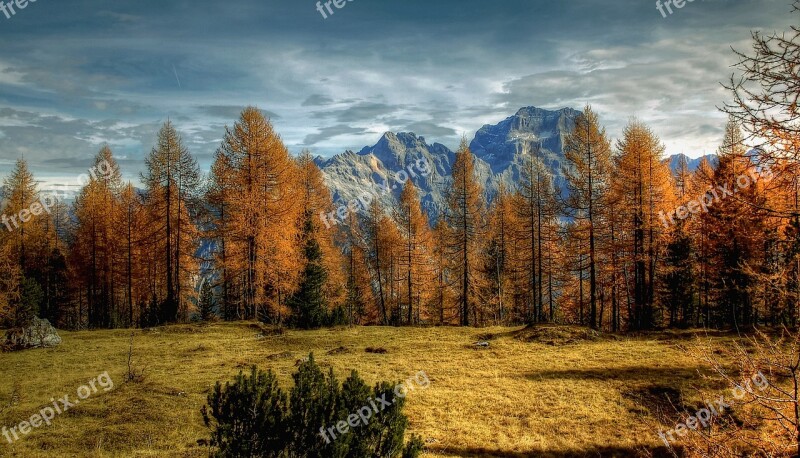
pixel 613 253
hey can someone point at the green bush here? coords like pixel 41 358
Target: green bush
pixel 249 416
pixel 252 417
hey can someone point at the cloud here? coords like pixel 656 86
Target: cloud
pixel 120 17
pixel 429 129
pixel 316 100
pixel 74 77
pixel 326 133
pixel 230 112
pixel 672 84
pixel 361 112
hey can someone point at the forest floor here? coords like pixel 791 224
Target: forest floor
pixel 549 391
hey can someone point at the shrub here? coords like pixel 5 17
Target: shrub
pixel 249 416
pixel 253 417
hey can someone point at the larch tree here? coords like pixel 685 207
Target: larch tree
pixel 645 189
pixel 24 234
pixel 220 193
pixel 264 209
pixel 439 304
pixel 96 246
pixel 499 261
pixel 588 162
pixel 737 228
pixel 384 253
pixel 700 185
pixel 172 179
pixel 359 297
pixel 130 218
pixel 466 223
pixel 416 250
pixel 678 276
pixel 33 245
pixel 764 101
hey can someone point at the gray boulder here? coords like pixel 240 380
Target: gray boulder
pixel 38 334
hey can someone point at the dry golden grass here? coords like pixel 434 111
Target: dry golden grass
pixel 557 392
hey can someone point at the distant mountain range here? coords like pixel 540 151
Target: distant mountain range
pixel 499 150
pixel 693 164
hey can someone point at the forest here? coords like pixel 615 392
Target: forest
pixel 632 245
pixel 605 255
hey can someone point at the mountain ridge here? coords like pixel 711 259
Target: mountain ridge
pixel 499 151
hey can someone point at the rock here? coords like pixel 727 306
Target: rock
pixel 277 356
pixel 482 344
pixel 339 351
pixel 38 334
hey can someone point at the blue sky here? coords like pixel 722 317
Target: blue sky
pixel 75 74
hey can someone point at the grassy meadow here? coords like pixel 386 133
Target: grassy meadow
pixel 550 391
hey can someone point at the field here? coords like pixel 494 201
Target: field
pixel 552 391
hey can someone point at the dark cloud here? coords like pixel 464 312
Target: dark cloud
pixel 78 74
pixel 316 100
pixel 327 133
pixel 360 112
pixel 429 129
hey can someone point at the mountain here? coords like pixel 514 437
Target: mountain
pixel 693 164
pixel 530 131
pixel 379 171
pixel 499 151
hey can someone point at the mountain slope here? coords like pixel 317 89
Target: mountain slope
pixel 380 171
pixel 531 130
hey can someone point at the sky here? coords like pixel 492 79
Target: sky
pixel 78 74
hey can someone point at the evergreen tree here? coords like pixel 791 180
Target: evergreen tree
pixel 10 284
pixel 308 303
pixel 30 300
pixel 679 278
pixel 207 303
pixel 252 417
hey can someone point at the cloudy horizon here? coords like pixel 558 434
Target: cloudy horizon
pixel 76 75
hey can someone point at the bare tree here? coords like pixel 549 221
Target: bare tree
pixel 766 99
pixel 759 414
